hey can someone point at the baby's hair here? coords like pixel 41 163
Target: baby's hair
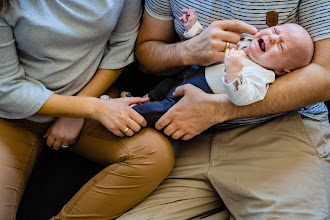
pixel 308 48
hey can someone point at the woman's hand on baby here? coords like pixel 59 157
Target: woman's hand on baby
pixel 234 63
pixel 63 132
pixel 117 115
pixel 189 18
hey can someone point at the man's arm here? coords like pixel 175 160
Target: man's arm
pixel 158 53
pixel 299 88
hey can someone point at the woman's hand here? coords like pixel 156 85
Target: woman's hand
pixel 118 117
pixel 63 132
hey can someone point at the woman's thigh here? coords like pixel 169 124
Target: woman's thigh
pixel 134 166
pixel 20 145
pixel 274 170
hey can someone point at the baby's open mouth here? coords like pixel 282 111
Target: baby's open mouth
pixel 262 45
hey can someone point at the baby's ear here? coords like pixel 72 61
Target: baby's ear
pixel 281 72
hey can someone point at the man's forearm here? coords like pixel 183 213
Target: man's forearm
pixel 292 91
pixel 160 58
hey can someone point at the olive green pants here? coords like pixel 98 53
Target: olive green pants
pixel 274 170
pixel 134 167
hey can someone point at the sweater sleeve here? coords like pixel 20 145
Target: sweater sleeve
pixel 120 48
pixel 250 86
pixel 20 95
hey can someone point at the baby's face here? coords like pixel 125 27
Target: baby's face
pixel 276 47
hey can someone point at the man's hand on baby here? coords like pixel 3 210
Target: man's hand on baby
pixel 188 18
pixel 234 64
pixel 208 47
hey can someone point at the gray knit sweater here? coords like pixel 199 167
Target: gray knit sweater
pixel 53 46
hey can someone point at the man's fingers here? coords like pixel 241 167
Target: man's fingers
pixel 180 90
pixel 236 26
pixel 163 121
pixel 187 137
pixel 178 134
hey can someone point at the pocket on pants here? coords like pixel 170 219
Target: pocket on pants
pixel 319 134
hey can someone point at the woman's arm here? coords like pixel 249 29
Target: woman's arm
pixel 65 131
pixel 101 81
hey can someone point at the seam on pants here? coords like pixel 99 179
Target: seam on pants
pixel 303 128
pixel 156 216
pixel 210 159
pixel 24 174
pixel 92 185
pixel 123 146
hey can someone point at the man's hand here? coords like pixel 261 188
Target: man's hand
pixel 208 47
pixel 194 113
pixel 159 52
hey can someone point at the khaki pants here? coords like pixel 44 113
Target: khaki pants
pixel 134 167
pixel 274 170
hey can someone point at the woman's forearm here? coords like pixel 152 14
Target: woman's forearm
pixel 101 81
pixel 83 104
pixel 69 106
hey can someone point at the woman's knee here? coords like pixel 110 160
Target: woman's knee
pixel 152 147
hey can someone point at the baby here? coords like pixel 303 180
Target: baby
pixel 245 74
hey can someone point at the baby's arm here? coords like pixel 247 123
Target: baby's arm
pixel 234 64
pixel 190 22
pixel 247 84
pixel 189 18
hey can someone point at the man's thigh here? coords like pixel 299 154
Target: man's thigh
pixel 274 170
pixel 186 193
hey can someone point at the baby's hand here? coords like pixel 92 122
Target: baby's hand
pixel 233 64
pixel 188 18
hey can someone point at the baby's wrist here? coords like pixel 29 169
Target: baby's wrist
pixel 194 30
pixel 231 76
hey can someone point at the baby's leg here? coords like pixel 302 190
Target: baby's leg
pixel 152 111
pixel 162 90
